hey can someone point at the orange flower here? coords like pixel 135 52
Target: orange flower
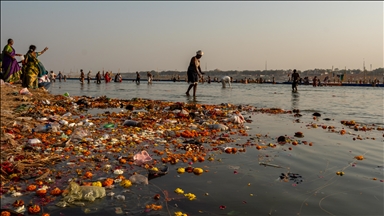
pixel 88 174
pixel 31 187
pixel 41 192
pixel 56 192
pixel 5 213
pixel 18 203
pixel 34 209
pixel 108 182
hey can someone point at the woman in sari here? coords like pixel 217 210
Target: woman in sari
pixel 10 67
pixel 34 69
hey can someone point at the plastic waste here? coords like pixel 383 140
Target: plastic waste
pixel 55 126
pixel 141 157
pixel 63 122
pixel 120 197
pixel 237 119
pixel 75 192
pixel 218 127
pixel 25 91
pixel 158 173
pixel 42 128
pixel 24 118
pixel 67 114
pixel 138 179
pixel 79 133
pixel 34 141
pixel 132 123
pixel 109 125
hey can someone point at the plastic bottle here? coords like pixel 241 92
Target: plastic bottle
pixel 42 128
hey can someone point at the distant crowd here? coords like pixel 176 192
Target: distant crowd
pixel 31 73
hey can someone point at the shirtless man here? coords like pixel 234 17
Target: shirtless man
pixel 295 80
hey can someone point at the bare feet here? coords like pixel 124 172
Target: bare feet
pixel 187 93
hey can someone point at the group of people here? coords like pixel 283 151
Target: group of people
pixel 31 73
pixel 107 77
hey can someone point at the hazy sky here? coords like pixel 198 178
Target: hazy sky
pixel 142 36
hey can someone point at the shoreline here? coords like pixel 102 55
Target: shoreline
pixel 277 83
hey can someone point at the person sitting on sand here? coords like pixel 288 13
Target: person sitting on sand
pixel 44 82
pixel 194 72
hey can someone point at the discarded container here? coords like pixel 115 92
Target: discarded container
pixel 138 179
pixel 109 125
pixel 132 123
pixel 42 128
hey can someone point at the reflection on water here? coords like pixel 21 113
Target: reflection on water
pixel 295 100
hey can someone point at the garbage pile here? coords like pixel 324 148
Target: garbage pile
pixel 71 151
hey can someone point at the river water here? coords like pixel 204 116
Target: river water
pixel 237 184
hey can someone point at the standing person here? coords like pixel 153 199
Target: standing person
pixel 149 76
pixel 314 81
pixel 89 77
pixel 82 76
pixel 107 77
pixel 98 78
pixel 120 78
pixel 137 77
pixel 295 80
pixel 52 76
pixel 33 67
pixel 65 77
pixel 11 69
pixel 194 72
pixel 60 75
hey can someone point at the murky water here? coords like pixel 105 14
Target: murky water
pixel 236 184
pixel 362 104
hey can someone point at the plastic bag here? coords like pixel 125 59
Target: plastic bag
pixel 25 91
pixel 218 127
pixel 138 179
pixel 75 192
pixel 79 133
pixel 237 119
pixel 142 157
